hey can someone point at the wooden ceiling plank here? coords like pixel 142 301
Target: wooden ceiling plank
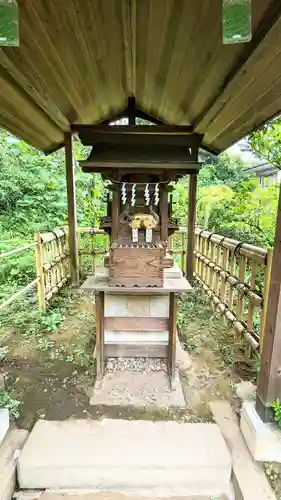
pixel 158 15
pixel 234 112
pixel 92 73
pixel 71 47
pixel 253 117
pixel 202 50
pixel 129 37
pixel 11 120
pixel 95 28
pixel 45 55
pixel 28 108
pixel 267 21
pixel 13 66
pixel 51 37
pixel 247 85
pixel 168 106
pixel 194 40
pixel 115 50
pixel 222 58
pixel 167 47
pixel 141 54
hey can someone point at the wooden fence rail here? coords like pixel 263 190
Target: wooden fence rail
pixel 52 264
pixel 234 275
pixel 24 289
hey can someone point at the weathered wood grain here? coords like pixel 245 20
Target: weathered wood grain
pixel 80 60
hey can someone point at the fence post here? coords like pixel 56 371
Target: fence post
pixel 265 293
pixel 39 271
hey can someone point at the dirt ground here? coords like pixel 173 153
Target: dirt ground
pixel 56 381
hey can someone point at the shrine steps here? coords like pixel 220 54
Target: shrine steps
pixel 154 459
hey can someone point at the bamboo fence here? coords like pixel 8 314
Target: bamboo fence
pixel 234 275
pixel 27 287
pixel 52 264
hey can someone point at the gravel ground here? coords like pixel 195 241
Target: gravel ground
pixel 143 365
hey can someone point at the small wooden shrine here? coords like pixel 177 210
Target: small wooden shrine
pixel 137 287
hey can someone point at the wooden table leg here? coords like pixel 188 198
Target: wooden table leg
pixel 99 300
pixel 172 338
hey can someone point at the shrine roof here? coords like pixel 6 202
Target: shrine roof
pixel 80 60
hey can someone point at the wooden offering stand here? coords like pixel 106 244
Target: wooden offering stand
pixel 136 290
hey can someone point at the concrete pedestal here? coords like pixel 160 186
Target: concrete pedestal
pixel 263 440
pixel 4 423
pixel 139 306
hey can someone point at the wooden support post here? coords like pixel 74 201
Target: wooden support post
pixel 191 225
pixel 115 215
pixel 269 381
pixel 99 302
pixel 266 289
pixel 40 271
pixel 71 206
pixel 172 337
pixel 132 111
pixel 163 201
pixel 183 251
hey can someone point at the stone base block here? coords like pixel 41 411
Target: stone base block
pixel 127 495
pixel 125 455
pixel 4 423
pixel 139 306
pixel 263 440
pixel 138 390
pixel 113 337
pixel 13 441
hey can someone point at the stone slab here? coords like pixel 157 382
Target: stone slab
pixel 116 495
pixel 13 441
pixel 263 440
pixel 99 282
pixel 140 306
pixel 113 337
pixel 248 477
pixel 137 389
pixel 4 423
pixel 125 455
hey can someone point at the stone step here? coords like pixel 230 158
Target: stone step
pixel 111 495
pixel 13 442
pixel 126 455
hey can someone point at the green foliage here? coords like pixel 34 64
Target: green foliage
pixel 3 352
pixel 13 405
pixel 208 198
pixel 227 171
pixel 266 142
pixel 33 197
pixel 276 406
pixel 249 216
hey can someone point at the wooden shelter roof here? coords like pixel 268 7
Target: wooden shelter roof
pixel 80 60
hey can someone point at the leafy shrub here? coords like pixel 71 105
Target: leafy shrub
pixel 13 405
pixel 276 406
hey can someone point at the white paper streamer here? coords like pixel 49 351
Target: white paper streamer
pixel 133 199
pixel 148 235
pixel 156 194
pixel 124 193
pixel 135 235
pixel 146 194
